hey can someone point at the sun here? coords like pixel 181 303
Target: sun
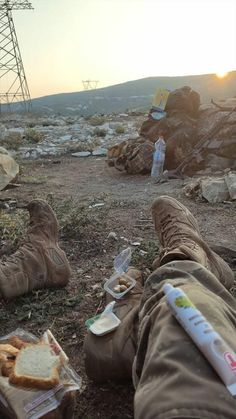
pixel 221 74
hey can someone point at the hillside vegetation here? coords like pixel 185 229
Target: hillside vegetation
pixel 134 95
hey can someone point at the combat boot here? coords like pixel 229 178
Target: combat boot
pixel 39 262
pixel 179 235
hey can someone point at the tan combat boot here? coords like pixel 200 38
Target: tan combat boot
pixel 178 233
pixel 39 262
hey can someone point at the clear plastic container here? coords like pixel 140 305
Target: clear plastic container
pixel 122 261
pixel 114 280
pixel 121 265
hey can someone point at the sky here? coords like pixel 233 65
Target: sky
pixel 63 42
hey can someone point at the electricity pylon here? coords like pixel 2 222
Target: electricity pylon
pixel 13 83
pixel 90 84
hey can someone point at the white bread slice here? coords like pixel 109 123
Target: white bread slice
pixel 36 366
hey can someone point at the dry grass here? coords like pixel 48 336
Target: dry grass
pixel 100 132
pixel 33 136
pixel 78 224
pixel 12 141
pixel 96 120
pixel 120 130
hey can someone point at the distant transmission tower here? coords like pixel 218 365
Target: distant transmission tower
pixel 90 84
pixel 13 83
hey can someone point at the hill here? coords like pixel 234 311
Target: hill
pixel 134 95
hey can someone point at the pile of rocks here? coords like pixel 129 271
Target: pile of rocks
pixel 187 124
pixel 213 190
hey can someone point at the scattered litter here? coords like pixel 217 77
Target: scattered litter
pixel 96 287
pixel 97 205
pixel 125 239
pixel 135 244
pixel 143 252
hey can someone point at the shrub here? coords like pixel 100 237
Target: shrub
pixel 100 132
pixel 120 129
pixel 33 136
pixel 96 120
pixel 12 141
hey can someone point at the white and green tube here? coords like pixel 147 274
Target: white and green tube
pixel 211 344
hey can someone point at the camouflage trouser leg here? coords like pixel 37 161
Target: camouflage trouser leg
pixel 110 357
pixel 171 376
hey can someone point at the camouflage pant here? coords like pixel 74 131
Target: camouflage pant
pixel 171 376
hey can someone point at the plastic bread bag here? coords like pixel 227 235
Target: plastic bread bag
pixel 22 403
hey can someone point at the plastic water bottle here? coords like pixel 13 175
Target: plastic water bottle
pixel 158 158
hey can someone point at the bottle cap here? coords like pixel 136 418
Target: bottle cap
pixel 167 288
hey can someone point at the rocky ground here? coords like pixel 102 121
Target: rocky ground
pixel 74 187
pixel 32 137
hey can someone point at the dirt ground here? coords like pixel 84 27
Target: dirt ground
pixel 126 212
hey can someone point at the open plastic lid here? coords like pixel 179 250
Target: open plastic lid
pixel 106 322
pixel 122 261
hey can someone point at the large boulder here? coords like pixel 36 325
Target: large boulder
pixel 183 100
pixel 9 169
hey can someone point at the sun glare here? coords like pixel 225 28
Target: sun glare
pixel 221 74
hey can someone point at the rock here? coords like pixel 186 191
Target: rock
pixel 192 189
pixel 114 125
pixel 4 151
pixel 184 100
pixel 216 163
pixel 96 287
pixel 99 152
pixel 81 154
pixel 227 250
pixel 65 138
pixel 230 179
pixel 9 169
pixel 18 130
pixel 112 235
pixel 214 190
pixel 134 136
